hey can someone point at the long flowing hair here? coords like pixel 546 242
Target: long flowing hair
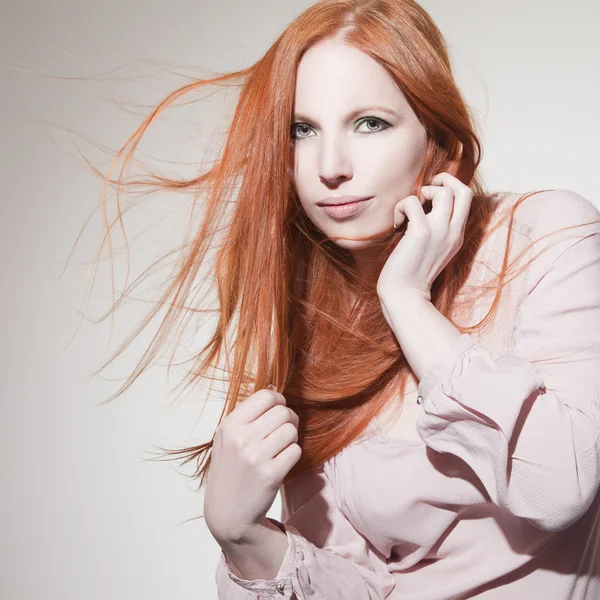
pixel 292 309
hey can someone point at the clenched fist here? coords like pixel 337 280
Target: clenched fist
pixel 254 449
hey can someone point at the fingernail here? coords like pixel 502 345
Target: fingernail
pixel 272 388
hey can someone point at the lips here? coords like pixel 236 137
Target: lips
pixel 347 209
pixel 342 200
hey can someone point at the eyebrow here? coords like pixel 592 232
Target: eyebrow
pixel 354 113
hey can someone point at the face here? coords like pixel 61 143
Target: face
pixel 354 134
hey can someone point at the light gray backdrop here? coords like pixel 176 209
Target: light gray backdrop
pixel 82 515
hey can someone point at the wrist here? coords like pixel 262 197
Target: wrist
pixel 404 296
pixel 402 302
pixel 258 554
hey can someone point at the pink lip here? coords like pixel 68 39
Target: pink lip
pixel 341 211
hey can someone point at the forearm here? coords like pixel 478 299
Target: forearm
pixel 423 333
pixel 259 555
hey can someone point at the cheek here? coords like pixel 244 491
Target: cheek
pixel 302 176
pixel 396 165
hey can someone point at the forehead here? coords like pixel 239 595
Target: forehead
pixel 333 75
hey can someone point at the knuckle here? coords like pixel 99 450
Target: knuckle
pixel 252 457
pixel 281 410
pixel 290 429
pixel 262 395
pixel 265 394
pixel 241 441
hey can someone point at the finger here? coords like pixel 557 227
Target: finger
pixel 279 439
pixel 442 202
pixel 274 418
pixel 462 207
pixel 399 215
pixel 463 196
pixel 447 180
pixel 286 459
pixel 255 406
pixel 413 209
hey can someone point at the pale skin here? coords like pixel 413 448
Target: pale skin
pixel 343 148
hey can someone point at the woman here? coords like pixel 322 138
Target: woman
pixel 437 347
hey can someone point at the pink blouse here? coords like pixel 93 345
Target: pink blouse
pixel 494 494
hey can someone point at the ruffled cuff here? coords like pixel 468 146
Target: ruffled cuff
pixel 279 588
pixel 468 383
pixel 435 373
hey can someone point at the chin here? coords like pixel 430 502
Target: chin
pixel 353 244
pixel 376 234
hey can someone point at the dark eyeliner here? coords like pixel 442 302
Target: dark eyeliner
pixel 385 124
pixel 293 130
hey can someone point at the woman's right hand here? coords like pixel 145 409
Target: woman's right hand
pixel 254 449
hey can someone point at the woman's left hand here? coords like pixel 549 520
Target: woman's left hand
pixel 431 240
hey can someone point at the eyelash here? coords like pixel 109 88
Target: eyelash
pixel 363 119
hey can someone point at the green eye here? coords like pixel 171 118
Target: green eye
pixel 370 120
pixel 300 131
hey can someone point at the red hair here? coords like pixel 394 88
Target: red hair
pixel 284 288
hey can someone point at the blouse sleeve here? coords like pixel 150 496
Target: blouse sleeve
pixel 528 423
pixel 327 559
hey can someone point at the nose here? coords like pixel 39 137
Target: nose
pixel 335 164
